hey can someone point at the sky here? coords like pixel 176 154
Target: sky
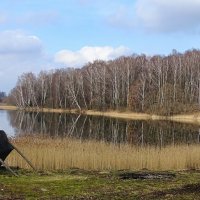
pixel 41 35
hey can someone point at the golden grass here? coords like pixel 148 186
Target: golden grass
pixel 52 154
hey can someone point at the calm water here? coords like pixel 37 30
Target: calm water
pixel 158 133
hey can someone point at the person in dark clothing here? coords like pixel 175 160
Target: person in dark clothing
pixel 5 146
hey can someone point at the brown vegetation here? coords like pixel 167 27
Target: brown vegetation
pixel 55 153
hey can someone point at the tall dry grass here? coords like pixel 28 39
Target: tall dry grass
pixel 47 153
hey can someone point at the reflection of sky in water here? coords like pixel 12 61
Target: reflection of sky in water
pixel 5 124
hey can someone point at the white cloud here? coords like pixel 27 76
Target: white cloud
pixel 19 53
pixel 169 15
pixel 17 42
pixel 158 16
pixel 89 54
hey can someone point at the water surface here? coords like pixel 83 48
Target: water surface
pixel 84 127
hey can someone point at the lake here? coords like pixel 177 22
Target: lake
pixel 84 127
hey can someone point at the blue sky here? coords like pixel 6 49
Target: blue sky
pixel 40 35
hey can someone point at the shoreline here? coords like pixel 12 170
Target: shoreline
pixel 182 118
pixel 114 114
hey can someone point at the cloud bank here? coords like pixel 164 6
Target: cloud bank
pixel 169 15
pixel 18 43
pixel 19 53
pixel 89 54
pixel 159 16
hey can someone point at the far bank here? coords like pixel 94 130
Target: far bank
pixel 183 118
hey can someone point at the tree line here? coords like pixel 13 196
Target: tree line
pixel 155 84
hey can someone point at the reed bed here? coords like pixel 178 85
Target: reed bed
pixel 57 153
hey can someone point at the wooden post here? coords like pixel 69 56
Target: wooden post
pixel 23 156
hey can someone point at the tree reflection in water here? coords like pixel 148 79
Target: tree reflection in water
pixel 84 127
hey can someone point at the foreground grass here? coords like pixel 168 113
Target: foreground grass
pixel 57 153
pixel 80 184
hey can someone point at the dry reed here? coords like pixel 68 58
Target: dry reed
pixel 55 153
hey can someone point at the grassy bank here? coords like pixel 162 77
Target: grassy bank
pixel 7 107
pixel 116 114
pixel 186 118
pixel 56 153
pixel 80 184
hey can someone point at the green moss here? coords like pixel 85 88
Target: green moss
pixel 80 184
